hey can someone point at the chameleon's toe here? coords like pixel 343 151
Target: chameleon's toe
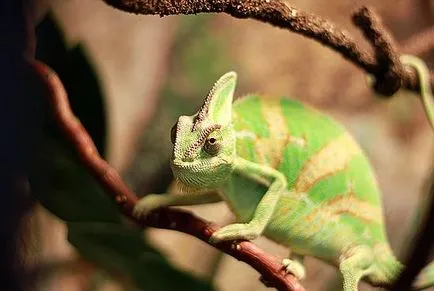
pixel 145 205
pixel 294 268
pixel 139 211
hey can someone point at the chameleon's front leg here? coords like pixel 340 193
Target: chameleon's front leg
pixel 265 208
pixel 154 201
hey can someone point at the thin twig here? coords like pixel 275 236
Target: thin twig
pixel 267 265
pixel 418 257
pixel 282 15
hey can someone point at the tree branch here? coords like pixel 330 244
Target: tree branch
pixel 268 266
pixel 422 246
pixel 384 65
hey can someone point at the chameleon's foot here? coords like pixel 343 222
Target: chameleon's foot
pixel 237 231
pixel 295 268
pixel 148 203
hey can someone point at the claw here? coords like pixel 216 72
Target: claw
pixel 294 268
pixel 146 205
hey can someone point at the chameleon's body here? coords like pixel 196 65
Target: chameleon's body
pixel 331 202
pixel 290 173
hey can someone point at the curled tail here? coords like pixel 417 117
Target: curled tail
pixel 389 268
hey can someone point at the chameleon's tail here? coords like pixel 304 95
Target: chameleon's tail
pixel 425 278
pixel 390 268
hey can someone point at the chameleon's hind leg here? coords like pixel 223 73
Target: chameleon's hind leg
pixel 294 265
pixel 354 264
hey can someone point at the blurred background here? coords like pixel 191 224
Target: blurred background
pixel 148 70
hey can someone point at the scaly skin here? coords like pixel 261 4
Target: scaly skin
pixel 290 173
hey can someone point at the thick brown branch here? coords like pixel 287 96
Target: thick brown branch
pixel 282 15
pixel 267 265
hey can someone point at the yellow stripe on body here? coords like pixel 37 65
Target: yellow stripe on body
pixel 330 211
pixel 269 151
pixel 347 203
pixel 332 158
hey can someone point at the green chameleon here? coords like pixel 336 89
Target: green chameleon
pixel 290 173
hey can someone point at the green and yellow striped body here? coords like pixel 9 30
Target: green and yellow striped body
pixel 288 172
pixel 332 201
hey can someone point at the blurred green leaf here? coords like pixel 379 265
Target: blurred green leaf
pixel 82 85
pixel 60 183
pixel 78 77
pixel 65 187
pixel 123 250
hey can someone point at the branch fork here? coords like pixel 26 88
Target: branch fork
pixel 384 65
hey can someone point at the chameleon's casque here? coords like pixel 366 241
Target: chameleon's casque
pixel 290 173
pixel 204 144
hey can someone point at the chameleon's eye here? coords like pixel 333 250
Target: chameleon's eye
pixel 173 133
pixel 212 146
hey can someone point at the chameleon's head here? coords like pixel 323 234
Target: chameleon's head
pixel 204 144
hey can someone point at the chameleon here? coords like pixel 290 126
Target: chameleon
pixel 290 173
